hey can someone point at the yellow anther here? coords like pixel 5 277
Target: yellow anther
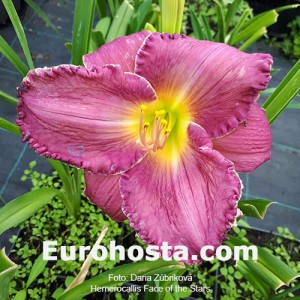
pixel 144 107
pixel 146 124
pixel 167 131
pixel 164 122
pixel 159 113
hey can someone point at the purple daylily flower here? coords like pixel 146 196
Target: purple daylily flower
pixel 161 124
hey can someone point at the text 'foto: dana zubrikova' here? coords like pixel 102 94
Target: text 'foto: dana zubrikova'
pixel 161 124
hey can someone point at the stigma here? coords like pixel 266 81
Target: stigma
pixel 153 136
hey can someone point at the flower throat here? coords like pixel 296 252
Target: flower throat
pixel 154 128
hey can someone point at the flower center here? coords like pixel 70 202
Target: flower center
pixel 153 135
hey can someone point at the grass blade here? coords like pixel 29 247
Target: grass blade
pixel 206 27
pixel 37 268
pixel 82 24
pixel 41 14
pixel 234 6
pixel 257 35
pixel 13 57
pixel 22 208
pixel 294 106
pixel 11 127
pixel 251 27
pixel 221 22
pixel 255 208
pixel 8 98
pixel 140 15
pixel 120 22
pixel 284 93
pixel 14 18
pixel 197 30
pixel 101 9
pixel 7 271
pixel 239 25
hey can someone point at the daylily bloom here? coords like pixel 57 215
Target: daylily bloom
pixel 161 124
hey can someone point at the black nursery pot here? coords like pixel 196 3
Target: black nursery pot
pixel 284 18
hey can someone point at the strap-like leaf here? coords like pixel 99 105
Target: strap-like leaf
pixel 8 98
pixel 37 268
pixel 251 27
pixel 13 57
pixel 7 272
pixel 13 128
pixel 22 208
pixel 254 208
pixel 82 24
pixel 284 93
pixel 120 21
pixel 14 18
pixel 41 14
pixel 221 22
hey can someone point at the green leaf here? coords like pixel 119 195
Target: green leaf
pixel 120 21
pixel 41 14
pixel 68 45
pixel 13 128
pixel 103 26
pixel 8 98
pixel 257 35
pixel 254 208
pixel 7 272
pixel 82 24
pixel 140 15
pixel 96 40
pixel 285 293
pixel 233 8
pixel 150 27
pixel 37 268
pixel 101 9
pixel 197 30
pixel 13 57
pixel 285 7
pixel 262 287
pixel 268 267
pixel 14 18
pixel 221 22
pixel 284 93
pixel 23 207
pixel 242 20
pixel 139 268
pixel 171 15
pixel 206 27
pixel 268 91
pixel 294 105
pixel 276 266
pixel 265 19
pixel 20 295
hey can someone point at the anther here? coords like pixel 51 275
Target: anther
pixel 144 107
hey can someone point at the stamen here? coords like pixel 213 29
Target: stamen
pixel 144 107
pixel 164 141
pixel 143 134
pixel 159 125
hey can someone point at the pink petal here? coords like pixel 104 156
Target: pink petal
pixel 217 83
pixel 84 117
pixel 121 51
pixel 249 145
pixel 104 191
pixel 191 203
